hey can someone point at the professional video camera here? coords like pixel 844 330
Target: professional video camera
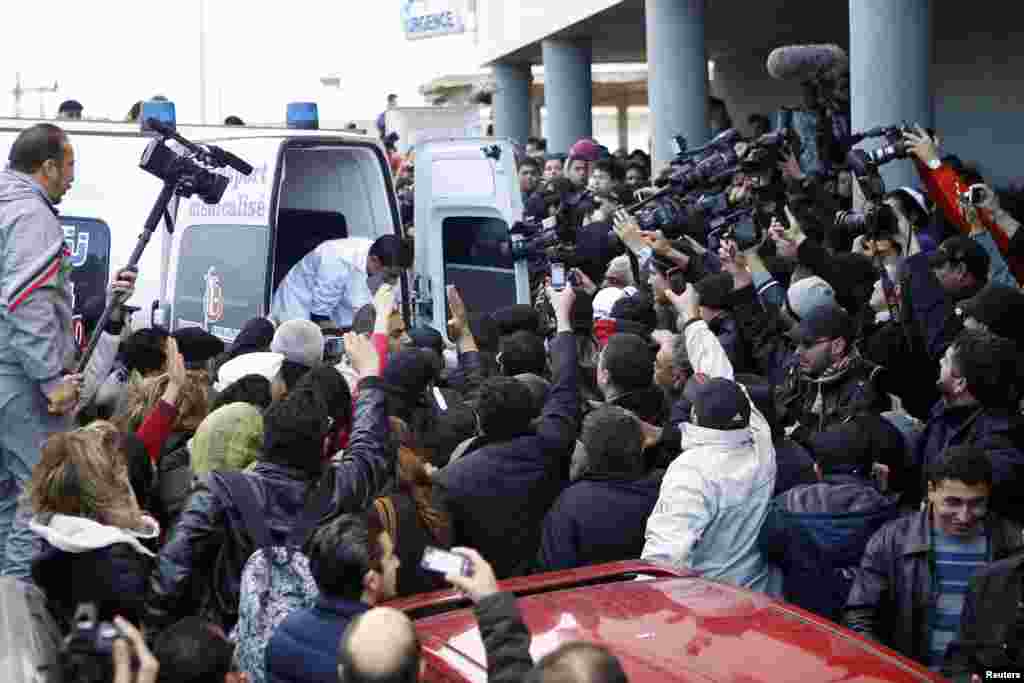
pixel 184 174
pixel 190 171
pixel 875 221
pixel 862 162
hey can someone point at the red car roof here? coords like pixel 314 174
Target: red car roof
pixel 663 626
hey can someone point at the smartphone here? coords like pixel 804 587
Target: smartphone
pixel 445 562
pixel 557 275
pixel 334 349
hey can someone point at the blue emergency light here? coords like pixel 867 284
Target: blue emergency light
pixel 161 110
pixel 303 115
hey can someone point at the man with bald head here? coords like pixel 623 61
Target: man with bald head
pixel 379 645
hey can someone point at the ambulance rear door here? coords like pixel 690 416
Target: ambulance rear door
pixel 467 198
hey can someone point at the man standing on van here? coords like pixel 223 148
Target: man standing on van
pixel 36 340
pixel 338 278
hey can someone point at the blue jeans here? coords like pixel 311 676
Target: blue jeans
pixel 25 425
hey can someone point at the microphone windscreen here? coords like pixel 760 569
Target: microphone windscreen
pixel 806 62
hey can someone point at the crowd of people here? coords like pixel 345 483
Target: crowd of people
pixel 822 415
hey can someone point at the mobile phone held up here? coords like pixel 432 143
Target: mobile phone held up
pixel 445 562
pixel 557 275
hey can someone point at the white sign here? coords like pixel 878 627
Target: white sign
pixel 431 18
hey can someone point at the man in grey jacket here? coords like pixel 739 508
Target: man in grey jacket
pixel 37 346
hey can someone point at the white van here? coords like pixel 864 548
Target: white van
pixel 221 263
pixel 467 199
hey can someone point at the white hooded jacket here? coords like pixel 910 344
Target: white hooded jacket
pixel 80 534
pixel 715 495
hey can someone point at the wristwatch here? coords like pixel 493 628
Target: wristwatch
pixel 935 164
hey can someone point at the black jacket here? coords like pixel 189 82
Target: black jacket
pixel 498 493
pixel 113 577
pixel 894 592
pixel 989 638
pixel 506 638
pixel 598 520
pixel 816 534
pixel 201 565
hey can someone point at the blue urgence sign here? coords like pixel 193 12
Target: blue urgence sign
pixel 429 18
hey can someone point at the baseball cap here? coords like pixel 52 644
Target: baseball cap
pixel 264 363
pixel 299 341
pixel 999 307
pixel 961 249
pixel 807 294
pixel 720 404
pixel 585 149
pixel 824 322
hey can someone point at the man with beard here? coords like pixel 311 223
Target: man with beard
pixel 830 382
pixel 338 278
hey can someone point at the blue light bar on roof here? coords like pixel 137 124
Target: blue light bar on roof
pixel 303 115
pixel 161 110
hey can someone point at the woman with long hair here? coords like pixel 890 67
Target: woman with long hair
pixel 86 511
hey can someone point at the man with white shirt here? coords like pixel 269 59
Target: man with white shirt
pixel 338 278
pixel 715 495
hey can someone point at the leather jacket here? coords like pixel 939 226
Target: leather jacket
pixel 200 567
pixel 894 592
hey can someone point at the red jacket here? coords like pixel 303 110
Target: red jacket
pixel 944 186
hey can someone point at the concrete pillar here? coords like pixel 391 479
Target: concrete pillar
pixel 890 71
pixel 677 74
pixel 512 101
pixel 622 116
pixel 568 93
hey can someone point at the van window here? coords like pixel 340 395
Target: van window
pixel 221 278
pixel 478 261
pixel 88 241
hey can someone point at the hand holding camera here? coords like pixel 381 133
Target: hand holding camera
pixel 922 145
pixel 131 645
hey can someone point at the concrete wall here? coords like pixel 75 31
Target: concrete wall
pixel 979 102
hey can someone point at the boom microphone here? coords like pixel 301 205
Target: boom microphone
pixel 806 62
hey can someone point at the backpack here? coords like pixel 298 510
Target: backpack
pixel 30 640
pixel 276 580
